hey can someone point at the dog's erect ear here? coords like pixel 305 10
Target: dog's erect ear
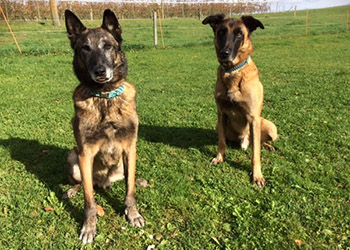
pixel 251 23
pixel 214 20
pixel 111 24
pixel 74 27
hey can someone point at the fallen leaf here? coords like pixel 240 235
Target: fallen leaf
pixel 299 242
pixel 158 237
pixel 45 151
pixel 42 152
pixel 48 209
pixel 100 211
pixel 142 182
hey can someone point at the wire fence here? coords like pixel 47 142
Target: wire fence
pixel 38 37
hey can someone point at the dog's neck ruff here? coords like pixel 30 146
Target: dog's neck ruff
pixel 237 67
pixel 108 95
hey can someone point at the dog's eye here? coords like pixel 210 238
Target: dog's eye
pixel 86 47
pixel 107 46
pixel 238 34
pixel 221 32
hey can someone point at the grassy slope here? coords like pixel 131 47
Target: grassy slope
pixel 189 203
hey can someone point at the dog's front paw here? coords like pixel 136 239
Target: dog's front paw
pixel 88 232
pixel 71 192
pixel 217 160
pixel 245 143
pixel 259 181
pixel 134 217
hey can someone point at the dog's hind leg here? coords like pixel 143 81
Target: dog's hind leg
pixel 268 133
pixel 73 174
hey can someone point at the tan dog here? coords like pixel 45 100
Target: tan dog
pixel 238 91
pixel 105 122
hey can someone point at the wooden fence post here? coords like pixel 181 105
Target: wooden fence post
pixel 38 10
pixel 307 21
pixel 161 30
pixel 155 34
pixel 295 11
pixel 54 12
pixel 91 13
pixel 9 27
pixel 162 10
pixel 200 12
pixel 133 11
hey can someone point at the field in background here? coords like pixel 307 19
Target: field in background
pixel 189 203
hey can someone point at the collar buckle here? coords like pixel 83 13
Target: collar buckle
pixel 104 94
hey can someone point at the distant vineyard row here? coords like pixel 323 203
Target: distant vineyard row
pixel 34 10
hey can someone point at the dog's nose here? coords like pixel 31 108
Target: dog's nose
pixel 225 53
pixel 100 70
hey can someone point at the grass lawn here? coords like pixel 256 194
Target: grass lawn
pixel 189 204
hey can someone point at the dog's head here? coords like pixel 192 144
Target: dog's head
pixel 97 52
pixel 232 37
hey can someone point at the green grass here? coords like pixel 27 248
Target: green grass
pixel 189 203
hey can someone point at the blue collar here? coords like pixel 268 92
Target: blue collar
pixel 110 94
pixel 239 66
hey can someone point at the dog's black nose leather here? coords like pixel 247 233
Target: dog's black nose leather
pixel 100 70
pixel 225 53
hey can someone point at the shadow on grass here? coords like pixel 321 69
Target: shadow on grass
pixel 178 137
pixel 48 164
pixel 190 138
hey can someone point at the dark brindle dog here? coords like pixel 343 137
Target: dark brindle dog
pixel 105 122
pixel 238 91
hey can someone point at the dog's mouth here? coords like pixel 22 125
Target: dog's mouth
pixel 101 80
pixel 226 63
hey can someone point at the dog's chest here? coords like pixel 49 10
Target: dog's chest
pixel 103 118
